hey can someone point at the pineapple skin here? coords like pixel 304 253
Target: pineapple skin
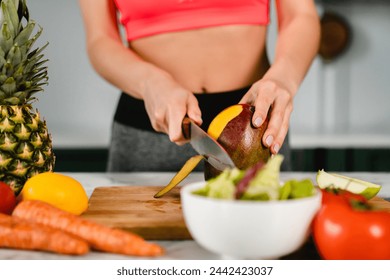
pixel 25 145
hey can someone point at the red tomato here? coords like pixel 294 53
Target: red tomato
pixel 344 231
pixel 7 199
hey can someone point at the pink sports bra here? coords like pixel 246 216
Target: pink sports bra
pixel 143 18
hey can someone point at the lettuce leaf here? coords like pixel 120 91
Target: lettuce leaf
pixel 223 186
pixel 266 184
pixel 260 182
pixel 296 189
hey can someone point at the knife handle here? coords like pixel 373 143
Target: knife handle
pixel 186 128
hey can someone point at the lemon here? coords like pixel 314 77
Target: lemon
pixel 59 190
pixel 366 189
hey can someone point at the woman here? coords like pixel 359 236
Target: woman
pixel 195 57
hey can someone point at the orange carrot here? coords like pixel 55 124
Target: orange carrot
pixel 17 233
pixel 100 237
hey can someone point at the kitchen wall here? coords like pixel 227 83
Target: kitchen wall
pixel 77 104
pixel 342 103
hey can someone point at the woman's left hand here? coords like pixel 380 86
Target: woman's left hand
pixel 269 94
pixel 296 46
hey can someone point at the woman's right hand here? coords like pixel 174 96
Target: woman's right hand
pixel 167 103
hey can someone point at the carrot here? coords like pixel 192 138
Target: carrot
pixel 17 233
pixel 100 237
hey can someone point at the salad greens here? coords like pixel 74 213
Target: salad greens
pixel 260 182
pixel 222 186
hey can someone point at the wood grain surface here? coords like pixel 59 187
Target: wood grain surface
pixel 134 208
pixel 380 204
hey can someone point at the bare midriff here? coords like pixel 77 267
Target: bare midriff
pixel 208 60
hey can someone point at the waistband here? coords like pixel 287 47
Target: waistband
pixel 131 111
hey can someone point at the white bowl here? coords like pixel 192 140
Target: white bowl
pixel 248 229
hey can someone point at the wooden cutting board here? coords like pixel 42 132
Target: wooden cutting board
pixel 379 203
pixel 133 208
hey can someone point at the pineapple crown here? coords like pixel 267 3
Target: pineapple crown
pixel 22 69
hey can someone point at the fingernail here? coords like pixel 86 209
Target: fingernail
pixel 258 121
pixel 269 140
pixel 276 148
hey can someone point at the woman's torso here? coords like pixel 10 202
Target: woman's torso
pixel 206 45
pixel 211 59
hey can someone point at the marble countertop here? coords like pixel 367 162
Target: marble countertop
pixel 185 250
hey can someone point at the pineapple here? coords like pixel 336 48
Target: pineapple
pixel 25 144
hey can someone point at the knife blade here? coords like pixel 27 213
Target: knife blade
pixel 205 145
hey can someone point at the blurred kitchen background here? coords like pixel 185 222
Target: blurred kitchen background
pixel 341 120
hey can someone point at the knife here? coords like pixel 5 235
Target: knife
pixel 205 145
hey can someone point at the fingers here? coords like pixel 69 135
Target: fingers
pixel 167 118
pixel 192 110
pixel 157 120
pixel 266 95
pixel 166 103
pixel 276 133
pixel 174 126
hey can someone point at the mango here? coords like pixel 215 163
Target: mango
pixel 233 129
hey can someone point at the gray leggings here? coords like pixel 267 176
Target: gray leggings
pixel 134 149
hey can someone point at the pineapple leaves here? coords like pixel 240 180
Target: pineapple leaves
pixel 37 51
pixel 25 34
pixel 21 95
pixel 30 42
pixel 2 94
pixel 2 78
pixel 16 3
pixel 22 10
pixel 9 86
pixel 6 40
pixel 10 15
pixel 12 100
pixel 2 59
pixel 22 70
pixel 14 55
